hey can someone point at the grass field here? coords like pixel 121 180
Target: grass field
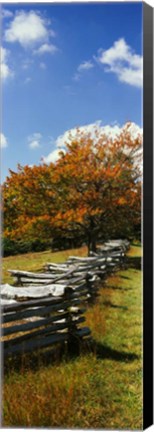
pixel 101 388
pixel 35 261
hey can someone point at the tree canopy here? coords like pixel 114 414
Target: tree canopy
pixel 92 191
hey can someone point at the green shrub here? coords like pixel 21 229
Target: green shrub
pixel 12 247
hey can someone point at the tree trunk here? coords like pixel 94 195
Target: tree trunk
pixel 91 243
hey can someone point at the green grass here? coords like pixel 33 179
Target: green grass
pixel 35 261
pixel 101 388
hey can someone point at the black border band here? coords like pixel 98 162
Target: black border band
pixel 148 217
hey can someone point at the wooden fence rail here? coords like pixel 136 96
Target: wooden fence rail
pixel 75 266
pixel 50 310
pixel 36 324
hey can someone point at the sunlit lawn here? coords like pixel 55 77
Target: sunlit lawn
pixel 101 388
pixel 35 261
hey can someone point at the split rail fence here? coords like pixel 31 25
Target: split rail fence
pixel 48 308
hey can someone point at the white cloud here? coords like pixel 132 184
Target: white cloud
pixel 34 144
pixel 52 157
pixel 134 130
pixel 35 135
pixel 6 13
pixel 131 76
pixel 3 141
pixel 27 28
pixel 46 48
pixel 92 129
pixel 34 140
pixel 6 72
pixel 72 133
pixel 86 65
pixel 121 60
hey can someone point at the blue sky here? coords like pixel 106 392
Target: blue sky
pixel 65 66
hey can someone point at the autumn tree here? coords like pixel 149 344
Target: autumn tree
pixel 28 202
pixel 93 191
pixel 98 185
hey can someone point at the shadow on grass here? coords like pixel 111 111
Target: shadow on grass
pixel 124 277
pixel 36 361
pixel 105 352
pixel 134 262
pixel 117 288
pixel 108 303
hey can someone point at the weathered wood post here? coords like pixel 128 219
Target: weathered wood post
pixel 91 290
pixel 73 341
pixel 124 261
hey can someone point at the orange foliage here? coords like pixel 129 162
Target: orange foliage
pixel 93 189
